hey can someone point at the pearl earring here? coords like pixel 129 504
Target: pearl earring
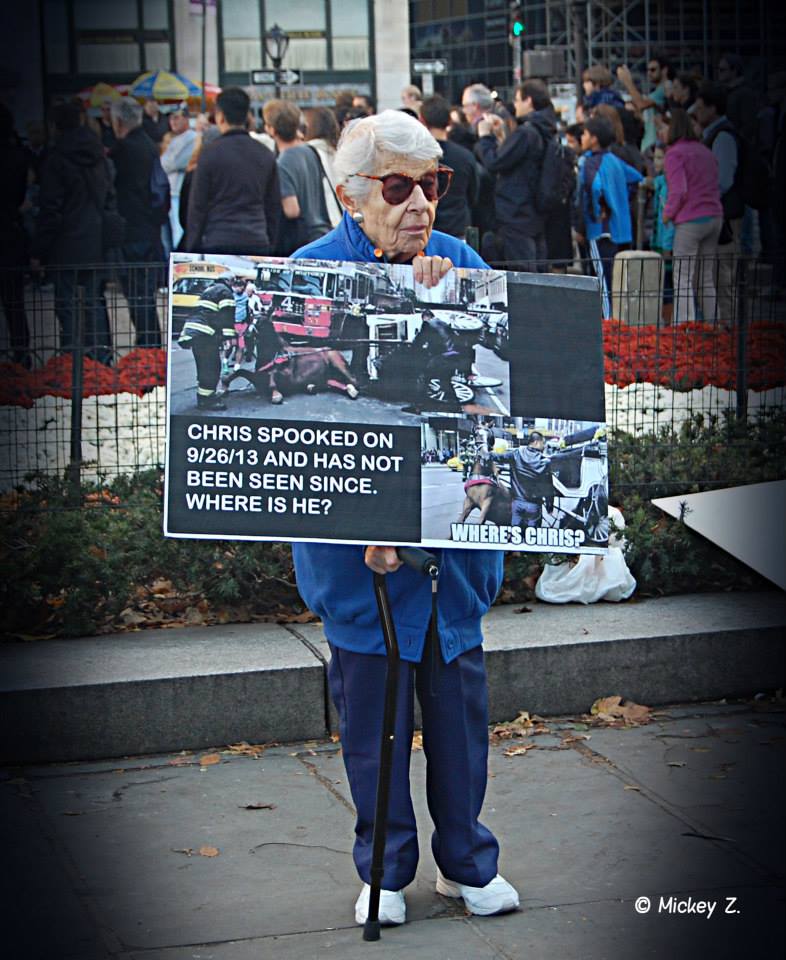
pixel 358 217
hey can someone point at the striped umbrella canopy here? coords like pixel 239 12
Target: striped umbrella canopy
pixel 95 96
pixel 162 85
pixel 211 92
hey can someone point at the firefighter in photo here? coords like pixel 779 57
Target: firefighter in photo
pixel 439 342
pixel 204 333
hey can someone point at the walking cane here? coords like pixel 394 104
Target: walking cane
pixel 426 564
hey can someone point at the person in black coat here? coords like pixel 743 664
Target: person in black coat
pixel 154 123
pixel 75 186
pixel 453 211
pixel 517 164
pixel 234 201
pixel 133 156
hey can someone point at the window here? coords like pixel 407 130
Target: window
pixel 240 25
pixel 110 37
pixel 275 280
pixel 300 16
pixel 155 15
pixel 308 283
pixel 157 56
pixel 100 15
pixel 108 58
pixel 349 27
pixel 190 286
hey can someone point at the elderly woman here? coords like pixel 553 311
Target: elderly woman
pixel 389 181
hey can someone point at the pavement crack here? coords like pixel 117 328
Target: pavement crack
pixel 695 826
pixel 327 784
pixel 498 951
pixel 118 793
pixel 305 846
pixel 306 642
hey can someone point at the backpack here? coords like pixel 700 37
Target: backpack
pixel 556 179
pixel 159 192
pixel 752 177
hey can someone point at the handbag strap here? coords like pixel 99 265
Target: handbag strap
pixel 324 173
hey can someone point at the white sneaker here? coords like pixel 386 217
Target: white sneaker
pixel 392 907
pixel 498 896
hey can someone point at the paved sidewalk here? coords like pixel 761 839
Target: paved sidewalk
pixel 102 859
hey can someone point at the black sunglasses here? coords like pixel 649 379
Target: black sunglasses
pixel 398 187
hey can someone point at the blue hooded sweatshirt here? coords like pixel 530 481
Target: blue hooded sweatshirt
pixel 604 176
pixel 334 580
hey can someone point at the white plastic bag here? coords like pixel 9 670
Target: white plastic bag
pixel 590 578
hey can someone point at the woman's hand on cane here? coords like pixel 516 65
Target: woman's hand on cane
pixel 382 559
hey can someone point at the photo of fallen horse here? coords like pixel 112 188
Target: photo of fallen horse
pixel 514 481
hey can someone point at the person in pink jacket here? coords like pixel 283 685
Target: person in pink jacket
pixel 694 206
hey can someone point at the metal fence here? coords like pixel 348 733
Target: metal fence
pixel 685 340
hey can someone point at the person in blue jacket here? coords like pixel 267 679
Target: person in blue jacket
pixel 603 196
pixel 389 180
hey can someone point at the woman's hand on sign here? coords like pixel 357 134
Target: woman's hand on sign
pixel 382 559
pixel 430 270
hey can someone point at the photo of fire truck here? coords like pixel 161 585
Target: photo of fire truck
pixel 314 302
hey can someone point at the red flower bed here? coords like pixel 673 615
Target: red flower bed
pixel 138 371
pixel 693 355
pixel 684 357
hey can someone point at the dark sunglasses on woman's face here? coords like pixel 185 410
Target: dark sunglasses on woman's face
pixel 398 187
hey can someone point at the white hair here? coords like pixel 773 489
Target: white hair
pixel 128 112
pixel 480 94
pixel 391 131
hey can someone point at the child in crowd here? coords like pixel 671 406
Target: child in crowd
pixel 662 235
pixel 603 202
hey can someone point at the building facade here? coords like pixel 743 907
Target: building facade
pixel 362 45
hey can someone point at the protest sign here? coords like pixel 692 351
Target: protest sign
pixel 316 400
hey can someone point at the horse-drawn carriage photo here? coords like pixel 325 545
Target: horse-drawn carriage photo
pixel 515 472
pixel 305 338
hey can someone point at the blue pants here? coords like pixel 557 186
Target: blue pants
pixel 526 513
pixel 455 742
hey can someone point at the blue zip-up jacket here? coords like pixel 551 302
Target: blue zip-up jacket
pixel 334 580
pixel 605 175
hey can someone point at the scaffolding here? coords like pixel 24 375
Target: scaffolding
pixel 693 34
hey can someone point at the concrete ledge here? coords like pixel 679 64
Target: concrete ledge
pixel 157 691
pixel 557 660
pixel 164 690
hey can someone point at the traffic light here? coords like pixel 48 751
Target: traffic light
pixel 517 25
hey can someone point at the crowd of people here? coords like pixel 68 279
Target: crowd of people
pixel 691 169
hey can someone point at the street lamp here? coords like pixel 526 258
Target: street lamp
pixel 276 43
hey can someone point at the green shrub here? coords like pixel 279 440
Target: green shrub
pixel 73 571
pixel 68 571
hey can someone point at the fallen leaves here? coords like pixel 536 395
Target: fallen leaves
pixel 523 726
pixel 205 851
pixel 612 711
pixel 245 749
pixel 609 711
pixel 570 738
pixel 257 806
pixel 305 617
pixel 209 759
pixel 519 751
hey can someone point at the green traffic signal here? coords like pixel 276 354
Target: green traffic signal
pixel 518 29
